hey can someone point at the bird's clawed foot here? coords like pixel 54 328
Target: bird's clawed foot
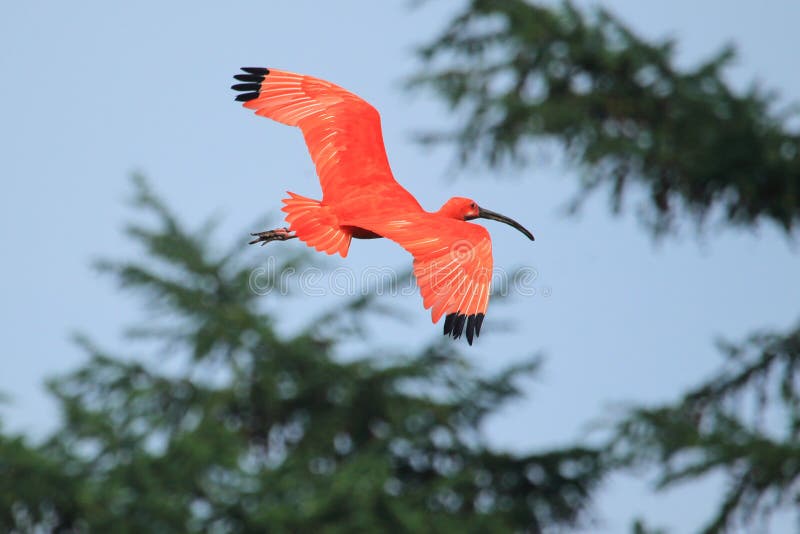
pixel 279 234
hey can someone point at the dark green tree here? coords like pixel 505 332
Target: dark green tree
pixel 221 423
pixel 519 73
pixel 723 425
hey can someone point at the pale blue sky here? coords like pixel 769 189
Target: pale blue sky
pixel 94 90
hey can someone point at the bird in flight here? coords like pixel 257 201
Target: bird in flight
pixel 362 200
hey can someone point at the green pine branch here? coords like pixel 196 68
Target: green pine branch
pixel 519 73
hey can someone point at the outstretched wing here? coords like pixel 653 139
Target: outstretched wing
pixel 452 264
pixel 342 131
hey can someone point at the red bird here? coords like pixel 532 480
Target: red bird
pixel 362 200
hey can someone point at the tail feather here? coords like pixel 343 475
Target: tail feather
pixel 316 225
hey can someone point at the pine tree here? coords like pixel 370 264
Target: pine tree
pixel 251 430
pixel 520 73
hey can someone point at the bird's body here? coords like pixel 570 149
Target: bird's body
pixel 362 200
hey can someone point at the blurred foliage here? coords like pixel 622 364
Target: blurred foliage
pixel 227 425
pixel 523 72
pixel 639 527
pixel 520 72
pixel 744 421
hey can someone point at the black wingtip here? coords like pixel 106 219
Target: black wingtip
pixel 245 97
pixel 246 86
pixel 448 323
pixel 248 78
pixel 456 324
pixel 458 327
pixel 261 71
pixel 478 323
pixel 253 78
pixel 470 328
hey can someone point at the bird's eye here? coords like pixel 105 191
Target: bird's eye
pixel 472 205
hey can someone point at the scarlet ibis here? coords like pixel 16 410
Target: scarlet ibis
pixel 362 200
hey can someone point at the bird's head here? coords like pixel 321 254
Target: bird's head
pixel 465 209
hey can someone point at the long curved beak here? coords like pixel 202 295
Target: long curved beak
pixel 488 214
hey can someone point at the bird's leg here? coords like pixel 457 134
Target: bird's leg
pixel 279 234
